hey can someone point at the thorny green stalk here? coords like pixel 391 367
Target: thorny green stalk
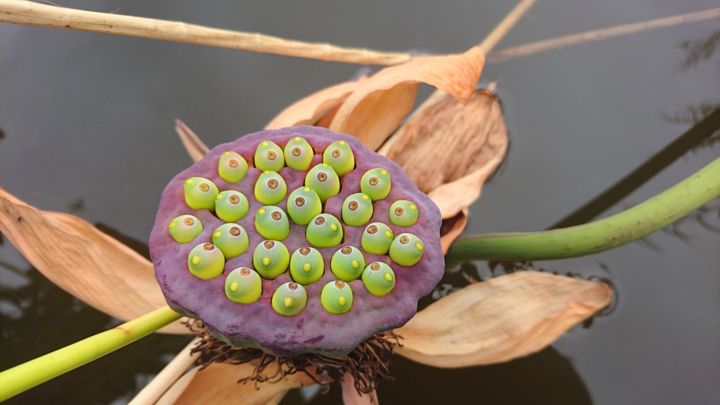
pixel 35 372
pixel 630 225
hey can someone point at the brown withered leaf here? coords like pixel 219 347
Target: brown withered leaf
pixel 380 103
pixel 449 148
pixel 195 147
pixel 452 228
pixel 83 261
pixel 500 319
pixel 311 109
pixel 351 396
pixel 218 384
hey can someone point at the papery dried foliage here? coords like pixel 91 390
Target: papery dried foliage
pixel 351 396
pixel 311 109
pixel 452 228
pixel 500 319
pixel 83 261
pixel 450 149
pixel 380 103
pixel 194 146
pixel 218 384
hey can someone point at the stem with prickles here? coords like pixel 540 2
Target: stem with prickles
pixel 635 223
pixel 35 372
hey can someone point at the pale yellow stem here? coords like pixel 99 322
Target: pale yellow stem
pixel 500 30
pixel 600 34
pixel 152 392
pixel 42 15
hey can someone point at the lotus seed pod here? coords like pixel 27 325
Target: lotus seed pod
pixel 306 265
pixel 185 228
pixel 340 157
pixel 206 261
pixel 270 188
pixel 324 231
pixel 378 278
pixel 347 263
pixel 231 239
pixel 298 154
pixel 243 285
pixel 289 299
pixel 323 179
pixel 272 223
pixel 303 205
pixel 243 314
pixel 232 167
pixel 357 209
pixel 376 183
pixel 200 193
pixel 403 213
pixel 271 259
pixel 376 238
pixel 337 297
pixel 406 249
pixel 231 205
pixel 269 156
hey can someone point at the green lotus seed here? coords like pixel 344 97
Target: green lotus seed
pixel 340 157
pixel 231 205
pixel 403 213
pixel 378 278
pixel 185 228
pixel 205 261
pixel 303 205
pixel 200 193
pixel 324 231
pixel 269 156
pixel 298 154
pixel 231 239
pixel 289 299
pixel 347 263
pixel 375 183
pixel 270 188
pixel 376 238
pixel 271 259
pixel 272 223
pixel 243 285
pixel 406 249
pixel 336 297
pixel 306 265
pixel 323 179
pixel 232 167
pixel 357 209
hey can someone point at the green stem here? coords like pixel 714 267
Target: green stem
pixel 34 372
pixel 619 229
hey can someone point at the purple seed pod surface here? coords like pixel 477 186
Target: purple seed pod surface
pixel 201 260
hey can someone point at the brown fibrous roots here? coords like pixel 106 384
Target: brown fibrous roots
pixel 368 364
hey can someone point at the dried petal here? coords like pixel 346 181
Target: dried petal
pixel 452 228
pixel 195 147
pixel 83 261
pixel 380 103
pixel 500 319
pixel 350 395
pixel 309 110
pixel 218 384
pixel 474 141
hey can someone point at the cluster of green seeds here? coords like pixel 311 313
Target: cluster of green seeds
pixel 304 206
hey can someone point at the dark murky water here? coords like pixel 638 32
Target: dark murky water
pixel 87 128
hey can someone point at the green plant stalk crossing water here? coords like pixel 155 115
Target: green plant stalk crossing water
pixel 635 223
pixel 35 372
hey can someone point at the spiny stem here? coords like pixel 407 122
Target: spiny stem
pixel 635 223
pixel 34 372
